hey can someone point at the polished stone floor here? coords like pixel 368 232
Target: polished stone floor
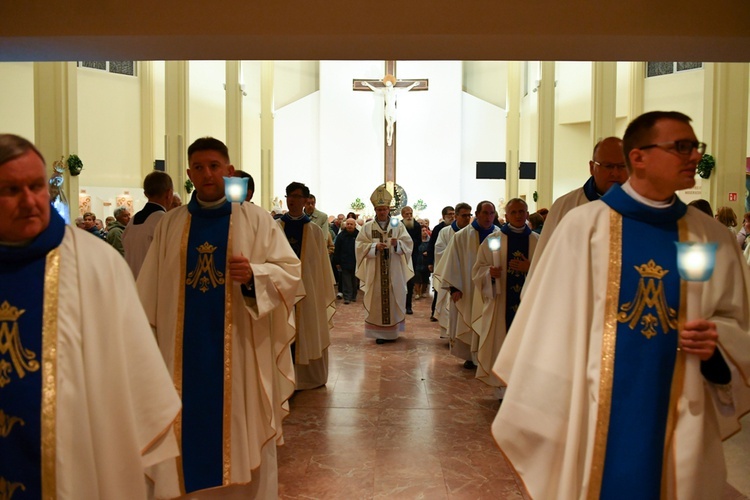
pixel 398 420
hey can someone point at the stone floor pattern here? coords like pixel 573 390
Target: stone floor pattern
pixel 398 420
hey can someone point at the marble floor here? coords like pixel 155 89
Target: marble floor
pixel 403 420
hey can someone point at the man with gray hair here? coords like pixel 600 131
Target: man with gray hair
pixel 86 401
pixel 114 232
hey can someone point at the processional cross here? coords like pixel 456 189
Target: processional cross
pixel 388 87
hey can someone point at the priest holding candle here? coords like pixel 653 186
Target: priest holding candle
pixel 499 273
pixel 218 286
pixel 623 377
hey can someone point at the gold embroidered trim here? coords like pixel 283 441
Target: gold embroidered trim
pixel 678 380
pixel 49 375
pixel 228 324
pixel 607 368
pixel 178 341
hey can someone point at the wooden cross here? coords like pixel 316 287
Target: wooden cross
pixel 389 172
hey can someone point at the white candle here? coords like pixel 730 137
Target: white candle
pixel 494 244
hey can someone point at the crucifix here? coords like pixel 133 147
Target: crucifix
pixel 388 87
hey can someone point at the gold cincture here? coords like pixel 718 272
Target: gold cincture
pixel 22 359
pixel 205 272
pixel 650 294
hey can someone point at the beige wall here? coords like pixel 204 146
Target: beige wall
pixel 17 99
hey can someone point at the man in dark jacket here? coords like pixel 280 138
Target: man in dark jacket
pixel 345 260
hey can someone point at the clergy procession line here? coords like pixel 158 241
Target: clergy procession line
pixel 619 373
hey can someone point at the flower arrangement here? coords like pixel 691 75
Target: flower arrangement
pixel 75 165
pixel 357 205
pixel 420 205
pixel 706 165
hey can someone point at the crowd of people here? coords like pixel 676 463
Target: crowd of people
pixel 607 364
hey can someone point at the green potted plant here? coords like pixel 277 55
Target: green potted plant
pixel 706 165
pixel 357 205
pixel 189 186
pixel 75 165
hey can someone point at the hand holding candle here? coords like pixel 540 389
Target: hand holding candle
pixel 494 244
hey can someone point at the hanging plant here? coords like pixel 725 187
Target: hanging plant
pixel 189 186
pixel 535 196
pixel 357 205
pixel 75 165
pixel 420 205
pixel 706 165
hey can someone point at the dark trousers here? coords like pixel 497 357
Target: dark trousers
pixel 409 292
pixel 349 284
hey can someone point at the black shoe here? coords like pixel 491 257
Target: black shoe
pixel 433 318
pixel 346 302
pixel 469 365
pixel 380 341
pixel 409 311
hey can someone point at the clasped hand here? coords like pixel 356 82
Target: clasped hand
pixel 239 269
pixel 699 337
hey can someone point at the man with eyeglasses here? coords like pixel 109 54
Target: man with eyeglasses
pixel 445 312
pixel 607 168
pixel 616 387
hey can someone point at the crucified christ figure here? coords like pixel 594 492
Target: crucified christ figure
pixel 389 96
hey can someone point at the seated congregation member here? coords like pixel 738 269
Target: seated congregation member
pixel 86 403
pixel 220 297
pixel 622 378
pixel 314 311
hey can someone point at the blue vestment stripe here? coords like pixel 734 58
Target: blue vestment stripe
pixel 517 243
pixel 22 271
pixel 293 229
pixel 645 350
pixel 203 349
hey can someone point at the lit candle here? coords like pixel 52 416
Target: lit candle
pixel 235 189
pixel 494 244
pixel 696 261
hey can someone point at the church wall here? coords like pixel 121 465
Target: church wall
pixel 431 126
pixel 297 147
pixel 486 80
pixel 682 91
pixel 573 92
pixel 207 100
pixel 294 80
pixel 572 154
pixel 17 99
pixel 483 138
pixel 109 124
pixel 351 136
pixel 622 104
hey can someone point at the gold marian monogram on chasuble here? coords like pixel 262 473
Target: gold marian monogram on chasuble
pixel 21 359
pixel 650 294
pixel 7 489
pixel 205 272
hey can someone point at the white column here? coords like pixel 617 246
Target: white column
pixel 513 128
pixel 725 115
pixel 146 80
pixel 545 156
pixel 176 89
pixel 234 99
pixel 56 119
pixel 266 133
pixel 603 100
pixel 637 84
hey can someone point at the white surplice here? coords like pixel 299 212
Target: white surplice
pixel 551 363
pixel 262 370
pixel 455 271
pixel 369 271
pixel 315 310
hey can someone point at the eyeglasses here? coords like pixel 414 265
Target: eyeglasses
pixel 609 167
pixel 683 147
